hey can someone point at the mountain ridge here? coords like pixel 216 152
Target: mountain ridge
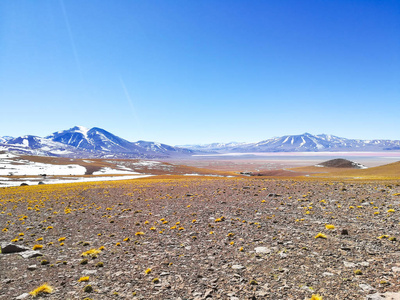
pixel 304 143
pixel 82 142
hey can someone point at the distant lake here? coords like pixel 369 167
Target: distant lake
pixel 370 159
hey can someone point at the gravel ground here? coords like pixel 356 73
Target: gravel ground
pixel 200 237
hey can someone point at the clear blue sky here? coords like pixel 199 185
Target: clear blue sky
pixel 182 72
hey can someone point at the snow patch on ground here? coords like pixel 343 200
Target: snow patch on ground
pixel 70 180
pixel 24 167
pixel 107 170
pixel 60 152
pixel 146 163
pixel 6 155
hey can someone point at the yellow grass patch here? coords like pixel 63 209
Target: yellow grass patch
pixel 85 278
pixel 320 236
pixel 43 289
pixel 91 252
pixel 316 297
pixel 37 247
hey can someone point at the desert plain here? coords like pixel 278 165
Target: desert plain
pixel 305 233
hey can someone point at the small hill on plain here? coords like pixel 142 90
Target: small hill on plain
pixel 391 170
pixel 341 163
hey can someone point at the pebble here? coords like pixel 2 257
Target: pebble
pixel 23 296
pixel 89 272
pixel 262 250
pixel 386 296
pixel 366 287
pixel 349 264
pixel 238 267
pixel 30 254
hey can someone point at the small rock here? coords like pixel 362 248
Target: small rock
pixel 375 296
pixel 32 267
pixel 12 248
pixel 30 254
pixel 364 264
pixel 89 272
pixel 344 232
pixel 237 267
pixel 23 296
pixel 396 269
pixel 282 255
pixel 391 296
pixel 349 264
pixel 366 287
pixel 262 250
pixel 327 274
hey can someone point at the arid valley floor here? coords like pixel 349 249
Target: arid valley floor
pixel 202 237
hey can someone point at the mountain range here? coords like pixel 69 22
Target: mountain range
pixel 89 143
pixel 96 142
pixel 302 143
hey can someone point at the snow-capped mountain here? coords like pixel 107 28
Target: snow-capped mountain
pixel 83 142
pixel 95 139
pixel 161 148
pixel 303 143
pixel 99 143
pixel 4 139
pixel 291 143
pixel 35 145
pixel 213 146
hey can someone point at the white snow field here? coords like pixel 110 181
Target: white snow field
pixel 12 165
pixel 69 180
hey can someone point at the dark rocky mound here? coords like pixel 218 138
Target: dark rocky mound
pixel 341 163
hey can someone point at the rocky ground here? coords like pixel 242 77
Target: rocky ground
pixel 199 238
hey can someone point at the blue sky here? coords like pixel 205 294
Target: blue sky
pixel 182 72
